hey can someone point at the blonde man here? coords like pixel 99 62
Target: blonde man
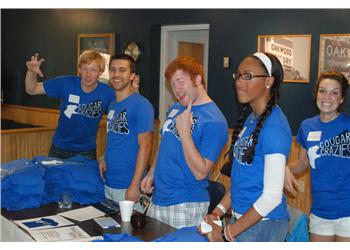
pixel 83 102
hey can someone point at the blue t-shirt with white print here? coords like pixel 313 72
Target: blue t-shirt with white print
pixel 125 121
pixel 174 182
pixel 328 148
pixel 247 180
pixel 80 112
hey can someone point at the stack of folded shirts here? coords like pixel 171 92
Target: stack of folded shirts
pixel 77 176
pixel 22 184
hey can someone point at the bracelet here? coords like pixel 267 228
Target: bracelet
pixel 228 233
pixel 222 208
pixel 223 235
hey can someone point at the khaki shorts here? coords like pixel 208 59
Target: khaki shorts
pixel 326 227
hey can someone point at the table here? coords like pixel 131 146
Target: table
pixel 11 232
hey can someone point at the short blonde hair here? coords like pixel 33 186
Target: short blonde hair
pixel 91 55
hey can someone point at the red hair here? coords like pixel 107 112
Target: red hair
pixel 187 64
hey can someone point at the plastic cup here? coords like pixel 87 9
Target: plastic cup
pixel 138 221
pixel 126 209
pixel 65 202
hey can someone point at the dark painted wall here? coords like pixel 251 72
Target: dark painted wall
pixel 233 32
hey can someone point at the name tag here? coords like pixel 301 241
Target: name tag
pixel 173 113
pixel 314 136
pixel 110 114
pixel 74 98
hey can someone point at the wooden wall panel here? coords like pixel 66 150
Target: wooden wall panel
pixel 25 144
pixel 303 198
pixel 30 115
pixel 19 143
pixel 216 175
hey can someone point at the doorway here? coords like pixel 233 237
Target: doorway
pixel 190 40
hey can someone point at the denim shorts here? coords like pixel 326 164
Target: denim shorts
pixel 65 154
pixel 264 231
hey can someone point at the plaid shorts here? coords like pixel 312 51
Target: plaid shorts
pixel 181 215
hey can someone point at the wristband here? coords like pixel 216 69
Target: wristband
pixel 222 208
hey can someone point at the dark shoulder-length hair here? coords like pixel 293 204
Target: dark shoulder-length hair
pixel 337 76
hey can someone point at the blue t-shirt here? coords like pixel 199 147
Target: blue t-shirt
pixel 174 182
pixel 328 148
pixel 247 180
pixel 80 112
pixel 125 121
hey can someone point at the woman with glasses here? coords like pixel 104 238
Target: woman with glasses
pixel 260 147
pixel 325 147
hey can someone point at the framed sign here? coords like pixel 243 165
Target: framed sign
pixel 293 51
pixel 334 54
pixel 103 43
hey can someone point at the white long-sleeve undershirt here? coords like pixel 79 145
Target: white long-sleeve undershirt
pixel 273 184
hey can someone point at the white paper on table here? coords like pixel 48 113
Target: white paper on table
pixel 82 214
pixel 71 233
pixel 91 238
pixel 43 222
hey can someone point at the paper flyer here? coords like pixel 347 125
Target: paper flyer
pixel 71 233
pixel 82 214
pixel 44 222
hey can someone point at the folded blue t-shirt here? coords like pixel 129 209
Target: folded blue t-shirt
pixel 185 234
pixel 123 237
pixel 22 184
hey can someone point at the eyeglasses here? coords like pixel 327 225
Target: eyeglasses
pixel 246 76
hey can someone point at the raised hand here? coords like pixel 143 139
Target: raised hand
pixel 184 121
pixel 34 65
